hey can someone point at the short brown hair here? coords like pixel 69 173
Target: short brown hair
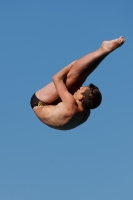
pixel 92 97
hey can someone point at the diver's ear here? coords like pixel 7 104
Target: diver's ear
pixel 81 97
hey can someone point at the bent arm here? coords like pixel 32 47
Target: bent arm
pixel 66 97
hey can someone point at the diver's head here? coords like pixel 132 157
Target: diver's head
pixel 92 97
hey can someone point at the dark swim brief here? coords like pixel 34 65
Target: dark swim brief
pixel 36 102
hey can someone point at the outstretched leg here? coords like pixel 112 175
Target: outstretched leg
pixel 80 70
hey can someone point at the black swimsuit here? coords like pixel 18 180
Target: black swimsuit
pixel 36 102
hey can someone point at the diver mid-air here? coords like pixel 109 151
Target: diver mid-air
pixel 64 104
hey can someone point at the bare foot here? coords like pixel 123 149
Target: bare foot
pixel 111 45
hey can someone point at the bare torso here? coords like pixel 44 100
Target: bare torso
pixel 56 117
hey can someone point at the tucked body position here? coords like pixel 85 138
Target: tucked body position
pixel 64 103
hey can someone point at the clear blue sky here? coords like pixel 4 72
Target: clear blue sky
pixel 95 160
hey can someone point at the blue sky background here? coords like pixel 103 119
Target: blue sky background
pixel 95 160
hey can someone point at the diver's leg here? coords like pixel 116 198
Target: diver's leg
pixel 87 64
pixel 84 65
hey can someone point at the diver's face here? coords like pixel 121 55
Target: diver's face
pixel 78 94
